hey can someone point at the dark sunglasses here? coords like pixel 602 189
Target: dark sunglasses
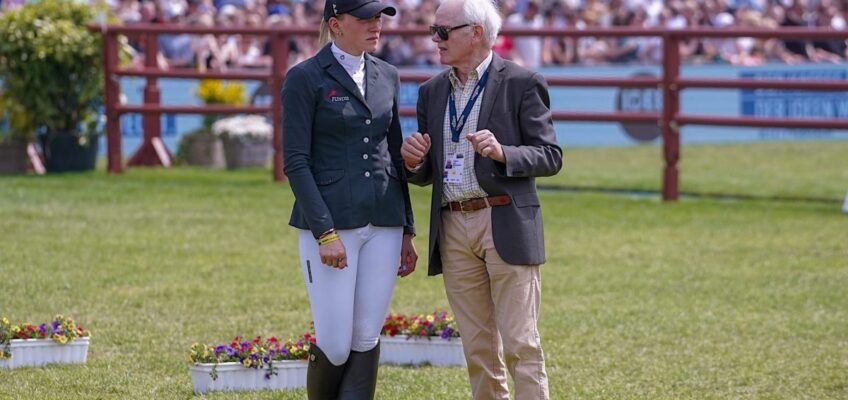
pixel 443 31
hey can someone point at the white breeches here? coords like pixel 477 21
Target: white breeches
pixel 349 306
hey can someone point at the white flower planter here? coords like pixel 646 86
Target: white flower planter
pixel 436 351
pixel 38 352
pixel 233 376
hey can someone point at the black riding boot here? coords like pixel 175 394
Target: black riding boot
pixel 360 375
pixel 322 378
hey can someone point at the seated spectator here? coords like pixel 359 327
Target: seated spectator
pixel 205 47
pixel 175 50
pixel 527 50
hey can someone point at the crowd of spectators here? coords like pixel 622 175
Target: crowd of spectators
pixel 245 51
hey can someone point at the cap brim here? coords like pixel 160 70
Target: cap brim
pixel 370 10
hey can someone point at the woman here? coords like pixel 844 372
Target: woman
pixel 342 156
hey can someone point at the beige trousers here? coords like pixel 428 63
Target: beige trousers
pixel 496 306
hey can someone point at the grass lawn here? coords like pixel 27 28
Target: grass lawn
pixel 703 299
pixel 815 170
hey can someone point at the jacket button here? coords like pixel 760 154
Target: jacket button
pixel 365 156
pixel 366 140
pixel 367 122
pixel 367 174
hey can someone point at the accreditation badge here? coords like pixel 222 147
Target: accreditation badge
pixel 454 164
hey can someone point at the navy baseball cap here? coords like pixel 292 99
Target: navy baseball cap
pixel 362 9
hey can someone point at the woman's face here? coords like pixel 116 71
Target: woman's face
pixel 358 35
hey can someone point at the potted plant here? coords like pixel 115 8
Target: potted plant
pixel 15 134
pixel 247 140
pixel 201 147
pixel 60 341
pixel 246 365
pixel 421 339
pixel 51 66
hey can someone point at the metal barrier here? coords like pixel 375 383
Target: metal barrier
pixel 670 84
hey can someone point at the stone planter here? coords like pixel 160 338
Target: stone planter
pixel 246 152
pixel 13 158
pixel 38 352
pixel 233 376
pixel 203 150
pixel 435 351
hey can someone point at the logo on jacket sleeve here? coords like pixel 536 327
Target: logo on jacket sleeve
pixel 333 96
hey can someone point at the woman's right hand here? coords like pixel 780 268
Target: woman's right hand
pixel 333 254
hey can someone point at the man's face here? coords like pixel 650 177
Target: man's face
pixel 458 45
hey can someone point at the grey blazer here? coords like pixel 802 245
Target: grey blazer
pixel 342 151
pixel 516 108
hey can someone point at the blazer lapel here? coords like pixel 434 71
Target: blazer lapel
pixel 438 105
pixel 329 63
pixel 491 92
pixel 371 75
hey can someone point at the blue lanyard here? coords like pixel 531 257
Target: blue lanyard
pixel 458 123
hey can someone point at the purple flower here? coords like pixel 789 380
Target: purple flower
pixel 55 326
pixel 220 349
pixel 231 351
pixel 42 329
pixel 446 333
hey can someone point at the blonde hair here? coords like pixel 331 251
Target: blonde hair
pixel 326 34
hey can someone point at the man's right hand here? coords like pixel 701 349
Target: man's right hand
pixel 414 149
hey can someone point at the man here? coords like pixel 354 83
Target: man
pixel 485 134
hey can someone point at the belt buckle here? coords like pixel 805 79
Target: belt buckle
pixel 462 206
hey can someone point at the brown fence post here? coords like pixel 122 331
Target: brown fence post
pixel 152 121
pixel 280 52
pixel 111 99
pixel 671 105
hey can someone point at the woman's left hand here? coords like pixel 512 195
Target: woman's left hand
pixel 408 256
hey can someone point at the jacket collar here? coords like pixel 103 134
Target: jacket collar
pixel 328 62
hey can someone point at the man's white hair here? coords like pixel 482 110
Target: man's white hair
pixel 484 13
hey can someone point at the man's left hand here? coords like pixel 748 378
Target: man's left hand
pixel 486 144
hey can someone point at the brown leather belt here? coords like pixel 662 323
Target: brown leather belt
pixel 478 203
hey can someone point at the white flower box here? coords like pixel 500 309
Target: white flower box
pixel 400 350
pixel 38 352
pixel 232 376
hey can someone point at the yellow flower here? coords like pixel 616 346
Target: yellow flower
pixel 215 91
pixel 5 321
pixel 430 318
pixel 246 362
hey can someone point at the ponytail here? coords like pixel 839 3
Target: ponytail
pixel 325 34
